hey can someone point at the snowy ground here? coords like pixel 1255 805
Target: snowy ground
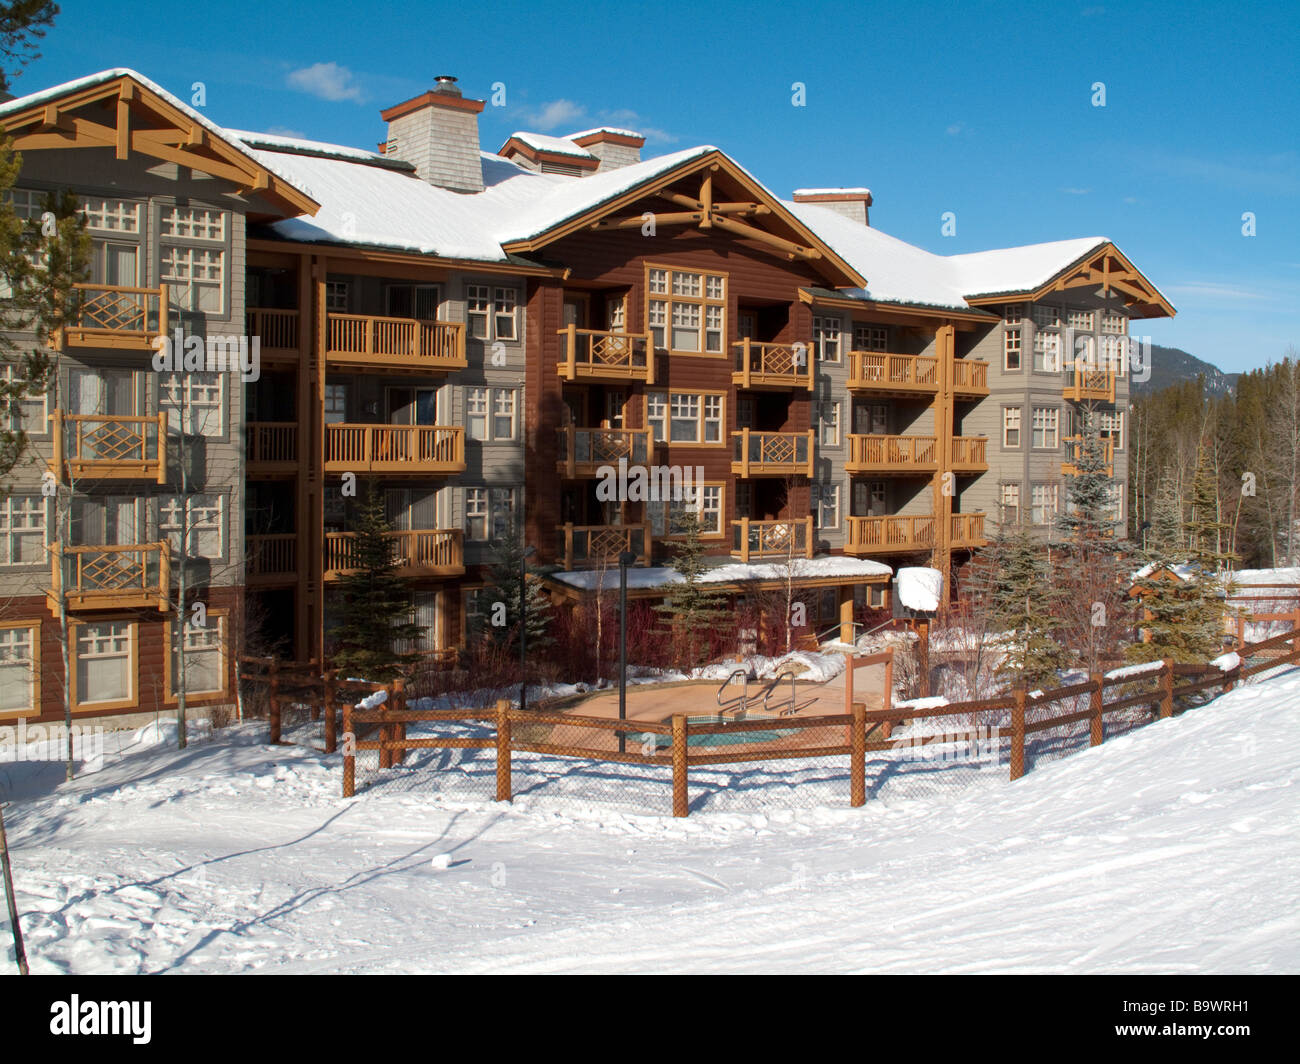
pixel 1173 848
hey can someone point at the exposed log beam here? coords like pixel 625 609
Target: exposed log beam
pixel 706 200
pixel 763 237
pixel 123 127
pixel 636 222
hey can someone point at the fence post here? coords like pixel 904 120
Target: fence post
pixel 887 703
pixel 275 702
pixel 1167 689
pixel 681 806
pixel 331 725
pixel 503 751
pixel 399 728
pixel 385 731
pixel 349 752
pixel 1098 733
pixel 858 756
pixel 1018 734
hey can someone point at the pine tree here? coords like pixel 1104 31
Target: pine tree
pixel 1024 608
pixel 375 609
pixel 692 605
pixel 499 618
pixel 1165 538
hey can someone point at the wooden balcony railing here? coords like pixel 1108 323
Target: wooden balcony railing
pixel 970 454
pixel 584 451
pixel 432 552
pixel 772 454
pixel 885 535
pixel 892 454
pixel 271 446
pixel 591 546
pixel 591 354
pixel 395 343
pixel 884 372
pixel 772 365
pixel 780 540
pixel 131 576
pixel 271 559
pixel 970 377
pixel 414 449
pixel 109 447
pixel 118 316
pixel 1074 449
pixel 967 530
pixel 276 330
pixel 1090 384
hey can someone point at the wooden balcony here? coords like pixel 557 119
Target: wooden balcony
pixel 584 451
pixel 116 316
pixel 900 455
pixel 133 576
pixel 271 447
pixel 594 355
pixel 366 342
pixel 889 374
pixel 417 553
pixel 271 559
pixel 596 546
pixel 970 378
pixel 967 531
pixel 109 447
pixel 776 541
pixel 1091 384
pixel 888 535
pixel 772 366
pixel 416 450
pixel 970 454
pixel 1073 450
pixel 276 330
pixel 772 454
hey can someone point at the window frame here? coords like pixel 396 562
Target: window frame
pixel 1054 426
pixel 169 686
pixel 702 301
pixel 1018 428
pixel 34 708
pixel 79 705
pixel 652 421
pixel 652 507
pixel 1013 343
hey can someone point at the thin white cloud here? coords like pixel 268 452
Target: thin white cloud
pixel 555 114
pixel 1076 191
pixel 954 129
pixel 329 81
pixel 286 131
pixel 1217 291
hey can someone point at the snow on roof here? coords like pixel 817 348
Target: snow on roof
pixel 920 588
pixel 1022 269
pixel 606 129
pixel 732 573
pixel 554 145
pixel 832 192
pixel 276 142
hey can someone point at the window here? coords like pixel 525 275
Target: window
pixel 489 513
pixel 1085 352
pixel 1113 511
pixel 19 668
pixel 1046 317
pixel 22 530
pixel 1114 354
pixel 744 413
pixel 336 296
pixel 691 417
pixel 206 529
pixel 492 312
pixel 1010 502
pixel 336 404
pixel 104 666
pixel 1114 324
pixel 828 423
pixel 113 215
pixel 870 338
pixel 193 223
pixel 193 403
pixel 1081 320
pixel 694 303
pixel 826 338
pixel 1011 426
pixel 1044 499
pixel 1111 427
pixel 826 505
pixel 1047 352
pixel 744 499
pixel 1046 427
pixel 205 658
pixel 1011 348
pixel 503 414
pixel 418 301
pixel 490 413
pixel 476 413
pixel 1014 313
pixel 504 317
pixel 29 414
pixel 706 499
pixel 195 278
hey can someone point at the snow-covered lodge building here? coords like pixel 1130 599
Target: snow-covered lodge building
pixel 482 336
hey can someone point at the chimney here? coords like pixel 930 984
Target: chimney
pixel 437 132
pixel 614 148
pixel 850 202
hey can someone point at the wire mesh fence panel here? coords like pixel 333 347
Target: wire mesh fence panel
pixel 932 756
pixel 1051 734
pixel 451 772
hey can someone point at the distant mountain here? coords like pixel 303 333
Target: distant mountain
pixel 1172 365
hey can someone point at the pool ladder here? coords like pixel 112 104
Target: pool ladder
pixel 785 673
pixel 744 696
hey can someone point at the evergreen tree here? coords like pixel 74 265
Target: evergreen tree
pixel 22 24
pixel 693 606
pixel 499 618
pixel 1024 608
pixel 1165 537
pixel 375 609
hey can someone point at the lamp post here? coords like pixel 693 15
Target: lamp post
pixel 528 552
pixel 625 559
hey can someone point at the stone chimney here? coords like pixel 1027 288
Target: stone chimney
pixel 437 132
pixel 853 203
pixel 614 148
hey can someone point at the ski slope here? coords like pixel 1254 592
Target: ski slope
pixel 1171 849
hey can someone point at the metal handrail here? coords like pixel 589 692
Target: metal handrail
pixel 744 679
pixel 776 682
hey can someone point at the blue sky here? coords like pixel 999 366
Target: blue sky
pixel 984 109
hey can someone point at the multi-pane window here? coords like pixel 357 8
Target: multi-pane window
pixel 684 417
pixel 870 337
pixel 103 665
pixel 493 312
pixel 205 658
pixel 1011 426
pixel 686 312
pixel 1013 313
pixel 336 296
pixel 1047 351
pixel 667 515
pixel 1044 501
pixel 1111 427
pixel 490 413
pixel 193 223
pixel 193 403
pixel 1081 319
pixel 1046 426
pixel 336 404
pixel 1047 317
pixel 1114 354
pixel 1085 352
pixel 1010 502
pixel 18 668
pixel 1114 324
pixel 29 413
pixel 1113 510
pixel 505 313
pixel 489 513
pixel 826 505
pixel 27 203
pixel 195 277
pixel 1011 338
pixel 205 529
pixel 22 530
pixel 826 337
pixel 828 423
pixel 112 215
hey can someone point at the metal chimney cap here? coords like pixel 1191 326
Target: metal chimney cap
pixel 445 83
